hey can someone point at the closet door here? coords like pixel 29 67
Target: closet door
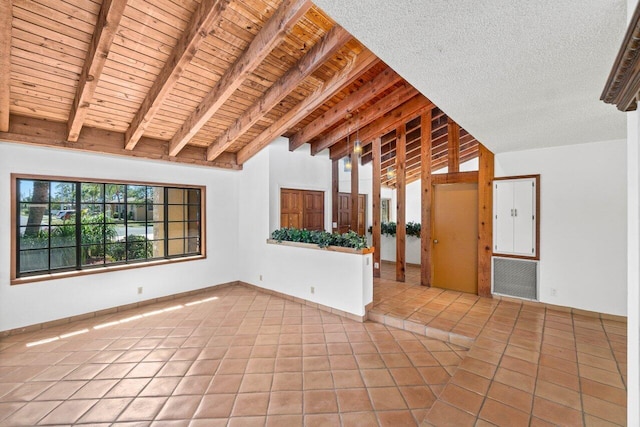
pixel 524 230
pixel 503 218
pixel 515 220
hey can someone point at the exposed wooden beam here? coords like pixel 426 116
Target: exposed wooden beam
pixel 355 187
pixel 375 195
pixel 335 189
pixel 207 13
pixel 338 82
pixel 470 177
pixel 108 21
pixel 46 133
pixel 453 146
pixel 426 252
pixel 6 18
pixel 485 219
pixel 363 94
pixel 401 204
pixel 386 123
pixel 271 34
pixel 365 119
pixel 335 39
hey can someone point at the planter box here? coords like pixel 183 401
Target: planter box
pixel 328 248
pixel 335 277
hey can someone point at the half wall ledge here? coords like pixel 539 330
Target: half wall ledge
pixel 334 277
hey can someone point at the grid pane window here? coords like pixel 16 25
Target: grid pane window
pixel 65 225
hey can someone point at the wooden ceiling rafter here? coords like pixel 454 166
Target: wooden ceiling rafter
pixel 365 119
pixel 207 13
pixel 194 81
pixel 45 133
pixel 109 17
pixel 334 40
pixel 361 64
pixel 384 124
pixel 263 43
pixel 348 105
pixel 6 17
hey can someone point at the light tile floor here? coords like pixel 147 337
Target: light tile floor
pixel 234 356
pixel 240 357
pixel 527 365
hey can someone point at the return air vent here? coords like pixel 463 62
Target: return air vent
pixel 515 277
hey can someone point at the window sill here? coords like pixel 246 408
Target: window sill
pixel 99 270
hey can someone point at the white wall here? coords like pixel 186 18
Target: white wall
pixel 582 222
pixel 339 279
pixel 633 266
pixel 32 303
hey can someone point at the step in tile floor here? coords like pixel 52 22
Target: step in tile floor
pixel 528 364
pixel 234 356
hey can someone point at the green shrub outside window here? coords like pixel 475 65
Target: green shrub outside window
pixel 67 225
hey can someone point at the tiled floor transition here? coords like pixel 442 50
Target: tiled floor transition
pixel 234 356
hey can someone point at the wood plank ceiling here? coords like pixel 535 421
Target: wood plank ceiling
pixel 208 82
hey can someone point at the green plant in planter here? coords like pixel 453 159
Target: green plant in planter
pixel 320 238
pixel 389 228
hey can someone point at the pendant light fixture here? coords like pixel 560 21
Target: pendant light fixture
pixel 391 172
pixel 347 158
pixel 357 145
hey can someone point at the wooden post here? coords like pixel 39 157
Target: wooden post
pixel 453 146
pixel 335 182
pixel 401 230
pixel 425 171
pixel 377 142
pixel 485 219
pixel 354 191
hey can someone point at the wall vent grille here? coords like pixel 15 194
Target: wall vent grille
pixel 515 277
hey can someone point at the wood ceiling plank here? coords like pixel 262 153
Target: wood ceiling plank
pixel 47 133
pixel 270 35
pixel 105 29
pixel 366 119
pixel 203 19
pixel 366 92
pixel 318 54
pixel 338 82
pixel 6 16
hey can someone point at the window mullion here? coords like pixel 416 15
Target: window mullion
pixel 78 226
pixel 166 222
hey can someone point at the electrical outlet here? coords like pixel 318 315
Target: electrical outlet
pixel 554 292
pixel 376 264
pixel 139 290
pixel 313 290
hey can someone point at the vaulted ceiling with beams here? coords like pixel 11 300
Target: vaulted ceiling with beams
pixel 208 82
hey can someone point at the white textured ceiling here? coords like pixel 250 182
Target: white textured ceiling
pixel 516 74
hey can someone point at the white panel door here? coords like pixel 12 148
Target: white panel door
pixel 503 219
pixel 514 226
pixel 524 234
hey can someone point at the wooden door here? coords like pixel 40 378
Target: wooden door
pixel 291 208
pixel 362 213
pixel 313 213
pixel 455 237
pixel 344 213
